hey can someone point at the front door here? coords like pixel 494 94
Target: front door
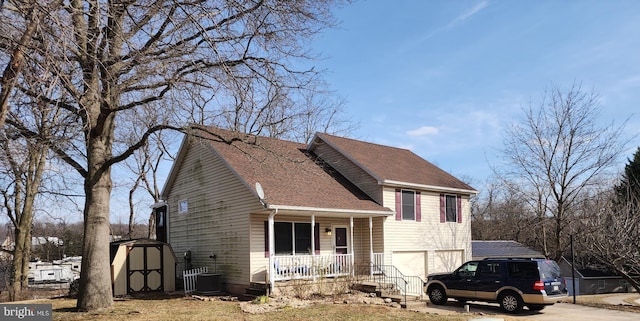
pixel 341 240
pixel 341 249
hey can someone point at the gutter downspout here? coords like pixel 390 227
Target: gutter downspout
pixel 272 250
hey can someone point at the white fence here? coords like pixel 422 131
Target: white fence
pixel 190 277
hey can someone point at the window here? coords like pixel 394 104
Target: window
pixel 408 205
pixel 451 208
pixel 183 206
pixel 523 270
pixel 488 269
pixel 467 270
pixel 292 238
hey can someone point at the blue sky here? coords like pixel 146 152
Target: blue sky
pixel 445 78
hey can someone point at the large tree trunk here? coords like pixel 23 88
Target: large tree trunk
pixel 24 207
pixel 95 279
pixel 21 256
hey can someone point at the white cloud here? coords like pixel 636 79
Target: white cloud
pixel 453 23
pixel 467 14
pixel 423 131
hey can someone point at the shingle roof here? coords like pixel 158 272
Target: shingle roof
pixel 502 249
pixel 288 174
pixel 393 164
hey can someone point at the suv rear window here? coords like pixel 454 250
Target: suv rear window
pixel 549 269
pixel 522 270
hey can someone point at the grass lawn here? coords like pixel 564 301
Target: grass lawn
pixel 187 308
pixel 181 308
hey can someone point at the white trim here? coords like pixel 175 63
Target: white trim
pixel 159 203
pixel 392 183
pixel 331 210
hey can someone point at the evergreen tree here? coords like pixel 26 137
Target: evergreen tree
pixel 628 190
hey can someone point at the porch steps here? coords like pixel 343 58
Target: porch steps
pixel 255 289
pixel 389 291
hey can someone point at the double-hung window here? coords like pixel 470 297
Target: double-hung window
pixel 451 208
pixel 408 205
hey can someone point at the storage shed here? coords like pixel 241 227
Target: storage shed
pixel 142 265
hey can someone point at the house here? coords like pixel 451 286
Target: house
pixel 592 281
pixel 502 249
pixel 260 209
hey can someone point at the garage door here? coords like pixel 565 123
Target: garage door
pixel 447 261
pixel 411 263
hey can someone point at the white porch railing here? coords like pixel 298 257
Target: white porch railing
pixel 288 267
pixel 190 277
pixel 376 262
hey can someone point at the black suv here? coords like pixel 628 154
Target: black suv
pixel 513 283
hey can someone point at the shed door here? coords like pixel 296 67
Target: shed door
pixel 144 268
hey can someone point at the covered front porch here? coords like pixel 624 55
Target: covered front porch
pixel 303 244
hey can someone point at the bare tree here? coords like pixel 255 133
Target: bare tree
pixel 555 152
pixel 610 234
pixel 115 58
pixel 24 162
pixel 502 213
pixel 17 43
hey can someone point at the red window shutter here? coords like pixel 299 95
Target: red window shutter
pixel 398 205
pixel 443 210
pixel 316 238
pixel 459 207
pixel 266 238
pixel 418 209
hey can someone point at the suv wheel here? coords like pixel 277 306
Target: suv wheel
pixel 437 295
pixel 510 302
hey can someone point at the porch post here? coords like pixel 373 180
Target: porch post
pixel 351 245
pixel 272 250
pixel 371 260
pixel 313 245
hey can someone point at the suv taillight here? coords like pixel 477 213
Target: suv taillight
pixel 539 286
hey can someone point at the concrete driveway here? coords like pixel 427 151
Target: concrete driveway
pixel 558 311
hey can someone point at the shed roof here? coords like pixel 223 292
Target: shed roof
pixel 502 249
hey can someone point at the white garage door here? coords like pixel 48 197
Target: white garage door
pixel 447 261
pixel 411 263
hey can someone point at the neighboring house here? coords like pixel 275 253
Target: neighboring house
pixel 259 209
pixel 502 249
pixel 591 281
